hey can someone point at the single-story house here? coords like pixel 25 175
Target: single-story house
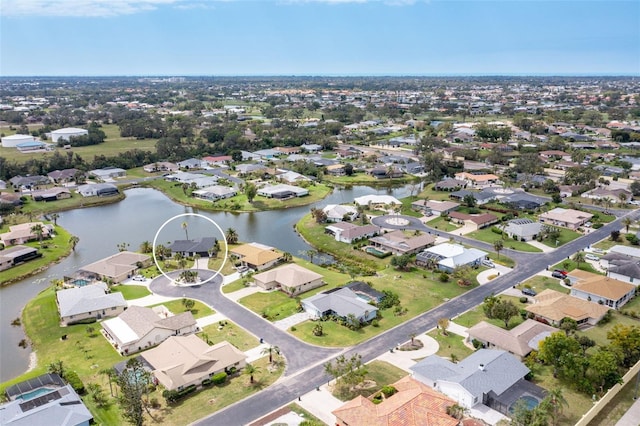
pixel 450 184
pixel 182 361
pixel 44 400
pixel 347 232
pixel 522 229
pixel 291 278
pixel 290 176
pixel 256 256
pixel 198 180
pixel 481 197
pixel 29 182
pixel 566 218
pixel 118 267
pixel 338 212
pixel 523 201
pixel 398 243
pixel 603 290
pixel 414 403
pixel 470 381
pixel 160 166
pixel 377 201
pixel 199 247
pixel 311 147
pixel 108 173
pixel 340 302
pixel 615 195
pixel 23 233
pixel 474 221
pixel 282 191
pixel 448 256
pixel 90 301
pixel 386 172
pixel 139 328
pixel 478 180
pixel 336 170
pixel 191 163
pixel 245 169
pixel 98 190
pixel 16 255
pixel 219 161
pixel 518 341
pixel 215 192
pixel 551 307
pixel 435 207
pixel 51 194
pixel 628 272
pixel 64 176
pixel 633 252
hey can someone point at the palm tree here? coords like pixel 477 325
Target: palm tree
pixel 55 217
pixel 627 221
pixel 250 370
pixel 607 202
pixel 556 400
pixel 145 247
pixel 310 254
pixel 111 374
pixel 185 225
pixel 38 230
pixel 578 258
pixel 497 246
pixel 623 200
pixel 232 236
pixel 73 241
pixel 269 350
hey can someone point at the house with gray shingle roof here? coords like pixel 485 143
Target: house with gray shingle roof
pixel 90 301
pixel 628 272
pixel 341 302
pixel 200 247
pixel 470 381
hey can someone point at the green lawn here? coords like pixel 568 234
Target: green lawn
pixel 490 237
pixel 231 333
pixel 238 203
pixel 130 292
pixel 234 286
pixel 199 310
pixel 310 419
pixel 475 315
pixel 367 179
pixel 570 265
pixel 566 235
pixel 599 332
pixel 52 250
pixel 382 373
pixel 539 283
pixel 443 225
pixel 449 345
pixel 37 208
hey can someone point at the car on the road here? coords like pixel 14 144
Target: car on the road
pixel 528 292
pixel 488 263
pixel 556 274
pixel 138 278
pixel 591 256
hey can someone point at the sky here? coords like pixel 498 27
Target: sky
pixel 319 37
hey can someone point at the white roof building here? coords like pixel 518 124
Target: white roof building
pixel 67 133
pixel 14 140
pixel 376 199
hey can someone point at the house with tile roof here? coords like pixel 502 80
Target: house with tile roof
pixel 566 218
pixel 414 404
pixel 256 256
pixel 90 301
pixel 139 328
pixel 398 243
pixel 23 233
pixel 474 221
pixel 518 341
pixel 116 268
pixel 602 290
pixel 478 180
pixel 182 361
pixel 290 278
pixel 348 232
pixel 470 381
pixel 552 307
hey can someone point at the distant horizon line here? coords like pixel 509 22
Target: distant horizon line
pixel 348 75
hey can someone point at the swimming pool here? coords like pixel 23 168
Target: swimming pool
pixel 80 282
pixel 530 403
pixel 35 393
pixel 377 253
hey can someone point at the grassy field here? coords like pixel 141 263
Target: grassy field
pixel 539 283
pixel 239 202
pixel 443 225
pixel 234 286
pixel 130 292
pixel 37 208
pixel 566 235
pixel 366 179
pixel 380 372
pixel 231 333
pixel 475 315
pixel 199 310
pixel 52 251
pixel 450 345
pixel 490 237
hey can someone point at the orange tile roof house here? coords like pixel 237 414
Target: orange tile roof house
pixel 600 289
pixel 290 278
pixel 552 306
pixel 478 181
pixel 415 404
pixel 256 256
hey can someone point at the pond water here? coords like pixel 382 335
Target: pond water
pixel 136 219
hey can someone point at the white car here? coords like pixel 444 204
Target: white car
pixel 590 256
pixel 138 278
pixel 488 263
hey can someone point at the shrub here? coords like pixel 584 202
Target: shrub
pixel 293 328
pixel 154 403
pixel 206 382
pixel 84 321
pixel 388 390
pixel 170 396
pixel 375 323
pixel 523 300
pixel 496 230
pixel 219 378
pixel 476 343
pixel 74 380
pixel 597 225
pixel 444 277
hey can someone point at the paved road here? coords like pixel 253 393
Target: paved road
pixel 307 372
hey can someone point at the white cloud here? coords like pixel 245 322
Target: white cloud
pixel 91 8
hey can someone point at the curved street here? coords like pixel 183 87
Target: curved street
pixel 305 369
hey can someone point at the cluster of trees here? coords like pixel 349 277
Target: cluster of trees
pixel 493 133
pixel 502 309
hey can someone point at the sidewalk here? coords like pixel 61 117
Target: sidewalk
pixel 632 416
pixel 545 248
pixel 210 319
pixel 237 295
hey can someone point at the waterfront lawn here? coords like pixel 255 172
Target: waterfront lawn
pixel 130 292
pixel 540 283
pixel 367 179
pixel 450 345
pixel 37 208
pixel 491 237
pixel 52 250
pixel 231 333
pixel 407 209
pixel 199 310
pixel 314 232
pixel 431 194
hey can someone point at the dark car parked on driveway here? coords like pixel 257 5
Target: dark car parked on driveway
pixel 528 292
pixel 558 274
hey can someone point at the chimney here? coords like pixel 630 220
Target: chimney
pixel 481 367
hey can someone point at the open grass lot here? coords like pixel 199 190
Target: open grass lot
pixel 599 332
pixel 382 373
pixel 238 203
pixel 199 310
pixel 570 265
pixel 607 243
pixel 566 235
pixel 234 286
pixel 443 225
pixel 431 194
pixel 490 237
pixel 52 250
pixel 216 262
pixel 314 233
pixel 539 283
pixel 366 179
pixel 76 201
pixel 475 315
pixel 451 344
pixel 130 292
pixel 231 333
